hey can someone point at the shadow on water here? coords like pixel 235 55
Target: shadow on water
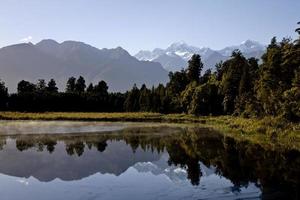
pixel 76 156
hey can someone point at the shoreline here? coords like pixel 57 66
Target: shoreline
pixel 267 131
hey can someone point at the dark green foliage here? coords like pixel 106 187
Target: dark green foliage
pixel 132 103
pixel 71 85
pixel 268 91
pixel 158 100
pixel 218 70
pixel 26 87
pixel 178 82
pixel 206 76
pixel 101 89
pixel 279 68
pixel 234 80
pixel 187 95
pixel 291 105
pixel 80 85
pixel 90 88
pixel 45 97
pixel 51 87
pixel 194 68
pixel 41 86
pixel 206 100
pixel 145 99
pixel 3 95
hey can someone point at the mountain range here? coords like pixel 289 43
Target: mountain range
pixel 50 59
pixel 176 56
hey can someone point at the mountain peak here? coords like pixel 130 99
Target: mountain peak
pixel 72 43
pixel 120 49
pixel 250 43
pixel 179 45
pixel 118 52
pixel 47 41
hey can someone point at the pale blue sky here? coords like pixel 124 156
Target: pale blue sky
pixel 147 24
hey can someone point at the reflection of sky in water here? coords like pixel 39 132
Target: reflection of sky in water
pixel 116 173
pixel 48 127
pixel 129 185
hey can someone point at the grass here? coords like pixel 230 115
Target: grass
pixel 269 131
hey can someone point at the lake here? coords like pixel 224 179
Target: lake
pixel 92 160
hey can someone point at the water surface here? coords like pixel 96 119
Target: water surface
pixel 89 160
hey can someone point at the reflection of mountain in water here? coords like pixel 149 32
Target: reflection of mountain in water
pixel 116 159
pixel 174 173
pixel 183 155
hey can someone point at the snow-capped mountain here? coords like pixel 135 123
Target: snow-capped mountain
pixel 176 56
pixel 180 49
pixel 246 47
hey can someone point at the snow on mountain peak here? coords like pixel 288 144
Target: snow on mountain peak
pixel 177 54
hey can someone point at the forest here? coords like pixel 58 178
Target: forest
pixel 238 86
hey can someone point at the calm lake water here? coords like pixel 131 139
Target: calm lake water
pixel 89 160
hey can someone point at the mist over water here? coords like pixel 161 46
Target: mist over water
pixel 55 127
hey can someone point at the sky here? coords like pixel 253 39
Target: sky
pixel 147 24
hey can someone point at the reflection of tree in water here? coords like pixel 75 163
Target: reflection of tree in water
pixel 101 146
pixel 50 145
pixel 178 156
pixel 2 143
pixel 22 145
pixel 75 147
pixel 241 162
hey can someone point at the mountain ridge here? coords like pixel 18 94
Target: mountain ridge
pixel 50 59
pixel 177 54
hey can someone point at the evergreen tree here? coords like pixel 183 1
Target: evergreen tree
pixel 3 95
pixel 145 98
pixel 158 95
pixel 218 72
pixel 90 88
pixel 291 105
pixel 194 68
pixel 41 86
pixel 101 88
pixel 178 82
pixel 205 100
pixel 26 87
pixel 71 85
pixel 205 78
pixel 186 97
pixel 268 90
pixel 131 103
pixel 51 86
pixel 233 69
pixel 80 85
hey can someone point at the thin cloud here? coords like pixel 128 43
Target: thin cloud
pixel 26 39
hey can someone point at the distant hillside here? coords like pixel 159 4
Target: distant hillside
pixel 50 59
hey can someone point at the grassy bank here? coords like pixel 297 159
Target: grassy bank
pixel 268 131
